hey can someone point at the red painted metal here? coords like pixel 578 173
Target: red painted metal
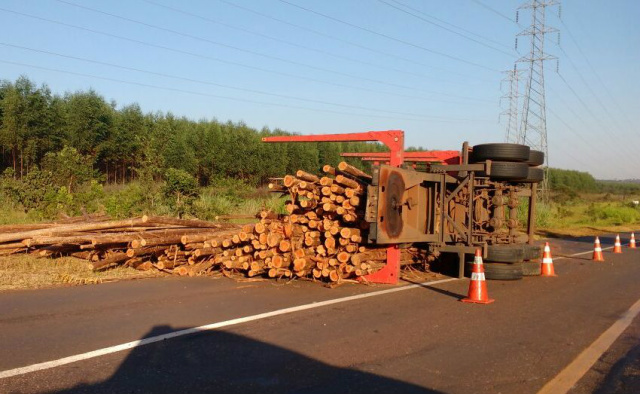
pixel 390 273
pixel 394 140
pixel 406 160
pixel 445 156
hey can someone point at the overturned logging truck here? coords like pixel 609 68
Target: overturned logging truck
pixel 459 202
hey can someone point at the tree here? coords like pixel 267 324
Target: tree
pixel 68 168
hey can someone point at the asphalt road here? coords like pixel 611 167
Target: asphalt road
pixel 419 340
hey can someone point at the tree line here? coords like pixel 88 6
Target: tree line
pixel 124 143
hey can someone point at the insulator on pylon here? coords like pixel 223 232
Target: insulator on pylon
pixel 558 38
pixel 516 43
pixel 517 16
pixel 559 11
pixel 558 66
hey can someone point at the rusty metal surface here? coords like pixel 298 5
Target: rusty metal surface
pixel 393 203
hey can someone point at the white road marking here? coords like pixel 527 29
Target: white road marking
pixel 579 254
pixel 571 374
pixel 207 327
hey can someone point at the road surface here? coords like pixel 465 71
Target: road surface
pixel 355 338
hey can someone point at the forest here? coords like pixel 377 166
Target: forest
pixel 57 147
pixel 79 153
pixel 120 143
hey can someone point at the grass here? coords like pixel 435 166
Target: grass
pixel 587 215
pixel 29 272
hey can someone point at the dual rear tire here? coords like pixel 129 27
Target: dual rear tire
pixel 510 262
pixel 510 162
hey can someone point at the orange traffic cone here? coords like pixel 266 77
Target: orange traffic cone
pixel 547 262
pixel 478 286
pixel 597 251
pixel 617 247
pixel 632 242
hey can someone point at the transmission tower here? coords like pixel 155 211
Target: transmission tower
pixel 533 127
pixel 512 93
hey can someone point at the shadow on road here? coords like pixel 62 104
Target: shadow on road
pixel 624 375
pixel 222 362
pixel 437 290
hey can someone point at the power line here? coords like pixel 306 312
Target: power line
pixel 209 83
pixel 481 4
pixel 433 51
pixel 629 151
pixel 166 88
pixel 604 85
pixel 267 56
pixel 229 62
pixel 415 15
pixel 354 44
pixel 596 150
pixel 588 86
pixel 293 44
pixel 452 25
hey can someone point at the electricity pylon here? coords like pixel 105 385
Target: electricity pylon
pixel 533 127
pixel 511 93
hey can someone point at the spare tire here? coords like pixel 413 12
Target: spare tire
pixel 507 171
pixel 505 253
pixel 536 158
pixel 498 271
pixel 500 152
pixel 535 175
pixel 532 252
pixel 532 268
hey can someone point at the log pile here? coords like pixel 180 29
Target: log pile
pixel 322 236
pixel 105 243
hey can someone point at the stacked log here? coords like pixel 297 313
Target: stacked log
pixel 140 243
pixel 322 236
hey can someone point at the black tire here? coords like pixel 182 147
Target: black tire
pixel 532 252
pixel 532 268
pixel 536 158
pixel 498 271
pixel 507 171
pixel 500 152
pixel 535 175
pixel 505 253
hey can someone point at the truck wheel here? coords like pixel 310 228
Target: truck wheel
pixel 536 158
pixel 532 252
pixel 507 171
pixel 532 268
pixel 498 271
pixel 535 175
pixel 505 253
pixel 500 152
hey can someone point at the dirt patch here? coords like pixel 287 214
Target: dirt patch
pixel 584 231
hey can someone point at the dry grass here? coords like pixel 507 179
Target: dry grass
pixel 28 272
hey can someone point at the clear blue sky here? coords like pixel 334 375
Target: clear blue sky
pixel 391 71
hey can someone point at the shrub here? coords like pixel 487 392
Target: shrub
pixel 613 214
pixel 126 202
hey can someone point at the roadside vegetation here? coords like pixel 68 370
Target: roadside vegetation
pixel 578 204
pixel 80 154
